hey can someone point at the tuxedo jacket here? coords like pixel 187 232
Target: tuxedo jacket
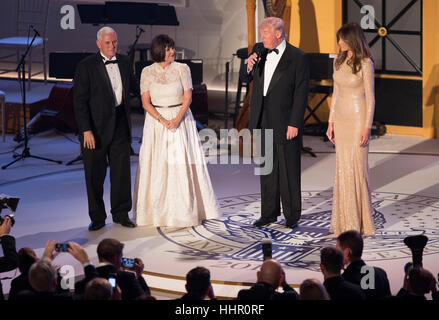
pixel 340 289
pixel 131 287
pixel 10 259
pixel 382 287
pixel 287 94
pixel 264 291
pixel 94 100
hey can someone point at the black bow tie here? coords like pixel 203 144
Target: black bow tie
pixel 110 62
pixel 273 50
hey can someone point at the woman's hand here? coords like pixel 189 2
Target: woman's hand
pixel 364 139
pixel 174 123
pixel 330 132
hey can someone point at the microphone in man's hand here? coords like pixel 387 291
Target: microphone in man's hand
pixel 259 50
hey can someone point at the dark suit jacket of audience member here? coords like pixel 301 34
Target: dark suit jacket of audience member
pixel 9 261
pixel 382 287
pixel 340 289
pixel 28 295
pixel 131 287
pixel 264 291
pixel 403 294
pixel 19 284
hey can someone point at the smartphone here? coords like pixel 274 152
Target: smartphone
pixel 62 247
pixel 266 248
pixel 112 281
pixel 128 263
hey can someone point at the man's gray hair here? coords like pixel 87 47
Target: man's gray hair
pixel 41 275
pixel 104 30
pixel 276 23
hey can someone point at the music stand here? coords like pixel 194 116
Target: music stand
pixel 22 79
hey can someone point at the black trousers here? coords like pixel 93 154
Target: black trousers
pixel 284 181
pixel 116 155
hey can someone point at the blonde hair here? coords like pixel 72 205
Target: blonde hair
pixel 275 23
pixel 104 30
pixel 41 275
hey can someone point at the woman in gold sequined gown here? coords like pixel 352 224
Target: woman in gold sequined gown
pixel 350 120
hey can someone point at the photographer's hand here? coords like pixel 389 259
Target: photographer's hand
pixel 78 252
pixel 138 267
pixel 48 251
pixel 5 227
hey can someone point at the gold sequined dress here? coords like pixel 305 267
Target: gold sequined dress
pixel 352 109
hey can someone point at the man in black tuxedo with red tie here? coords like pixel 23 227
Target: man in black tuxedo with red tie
pixel 280 75
pixel 104 83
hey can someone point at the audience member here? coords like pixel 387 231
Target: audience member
pixel 110 252
pixel 10 259
pixel 331 263
pixel 270 277
pixel 351 244
pixel 198 285
pixel 313 289
pixel 26 258
pixel 101 289
pixel 417 283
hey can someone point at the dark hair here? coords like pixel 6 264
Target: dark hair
pixel 420 280
pixel 353 240
pixel 198 281
pixel 332 259
pixel 108 249
pixel 26 258
pixel 159 45
pixel 354 37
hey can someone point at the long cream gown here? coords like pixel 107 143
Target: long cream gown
pixel 352 110
pixel 173 186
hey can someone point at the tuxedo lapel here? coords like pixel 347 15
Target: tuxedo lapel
pixel 104 76
pixel 281 67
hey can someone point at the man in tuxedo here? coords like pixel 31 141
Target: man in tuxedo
pixel 280 75
pixel 351 244
pixel 104 83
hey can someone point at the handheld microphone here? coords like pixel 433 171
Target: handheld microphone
pixel 35 30
pixel 259 50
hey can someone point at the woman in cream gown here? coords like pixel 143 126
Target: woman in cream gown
pixel 350 121
pixel 173 187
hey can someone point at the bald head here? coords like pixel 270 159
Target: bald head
pixel 271 272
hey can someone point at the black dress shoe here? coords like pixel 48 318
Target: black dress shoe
pixel 291 225
pixel 126 222
pixel 263 222
pixel 96 225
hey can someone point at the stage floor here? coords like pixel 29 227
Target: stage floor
pixel 404 182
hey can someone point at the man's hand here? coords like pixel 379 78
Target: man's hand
pixel 48 251
pixel 89 140
pixel 292 132
pixel 138 267
pixel 78 252
pixel 5 227
pixel 251 61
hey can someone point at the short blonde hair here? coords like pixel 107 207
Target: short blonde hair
pixel 41 275
pixel 275 23
pixel 104 30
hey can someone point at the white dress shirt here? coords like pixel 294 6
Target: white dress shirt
pixel 115 79
pixel 271 64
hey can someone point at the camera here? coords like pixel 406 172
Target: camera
pixel 8 202
pixel 128 263
pixel 112 279
pixel 62 247
pixel 266 248
pixel 416 245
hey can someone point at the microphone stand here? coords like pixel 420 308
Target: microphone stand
pixel 22 79
pixel 131 52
